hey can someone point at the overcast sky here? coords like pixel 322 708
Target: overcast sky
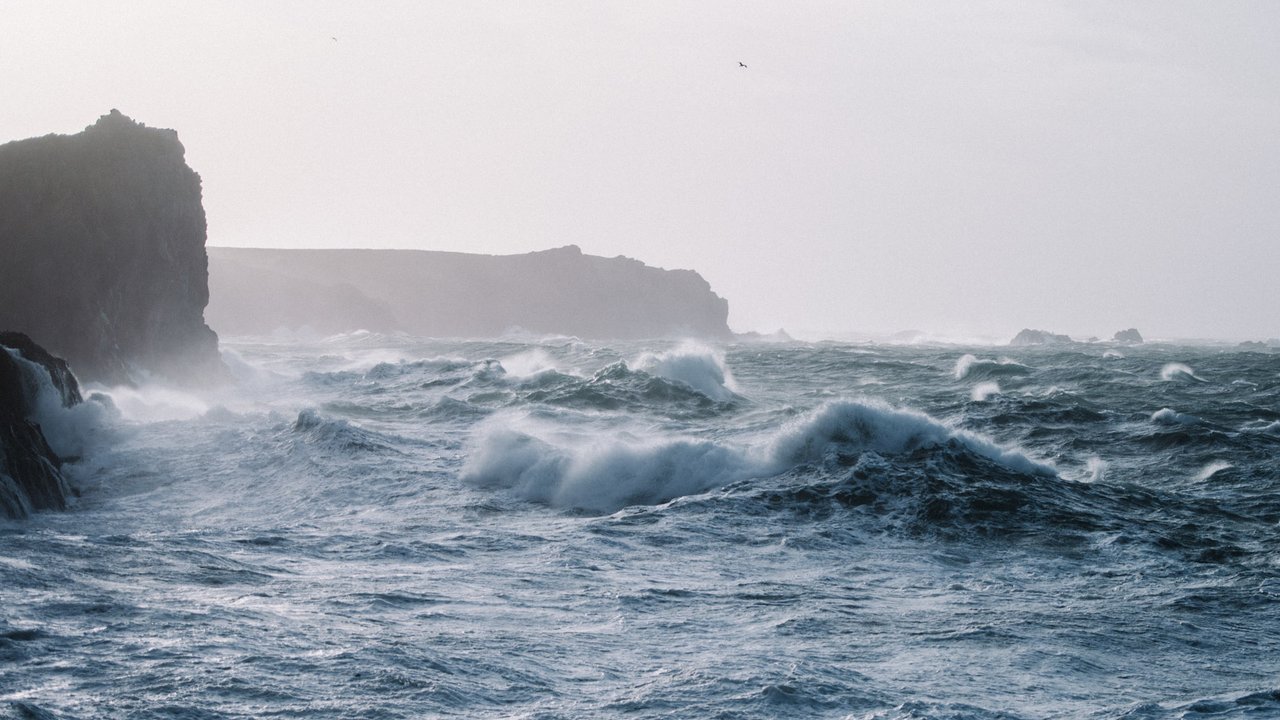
pixel 964 168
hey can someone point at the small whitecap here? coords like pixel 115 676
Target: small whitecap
pixel 1212 469
pixel 983 391
pixel 1095 469
pixel 1169 416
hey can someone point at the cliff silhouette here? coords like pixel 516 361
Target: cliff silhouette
pixel 102 237
pixel 445 294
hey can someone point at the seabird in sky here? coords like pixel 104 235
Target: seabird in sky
pixel 741 64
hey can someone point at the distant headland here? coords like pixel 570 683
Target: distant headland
pixel 447 294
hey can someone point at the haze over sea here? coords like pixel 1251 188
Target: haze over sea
pixel 380 526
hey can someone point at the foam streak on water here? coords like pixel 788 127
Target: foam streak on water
pixel 383 527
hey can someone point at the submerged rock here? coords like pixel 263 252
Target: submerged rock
pixel 102 235
pixel 1038 337
pixel 30 472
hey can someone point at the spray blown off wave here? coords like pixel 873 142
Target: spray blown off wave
pixel 969 366
pixel 1179 372
pixel 694 365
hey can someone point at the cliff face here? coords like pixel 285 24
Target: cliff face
pixel 102 235
pixel 30 472
pixel 442 294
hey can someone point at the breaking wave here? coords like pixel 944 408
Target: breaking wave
pixel 604 476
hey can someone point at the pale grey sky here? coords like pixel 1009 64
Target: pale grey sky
pixel 964 168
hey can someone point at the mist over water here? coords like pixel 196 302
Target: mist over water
pixel 375 525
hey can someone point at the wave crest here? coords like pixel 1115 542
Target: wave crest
pixel 604 476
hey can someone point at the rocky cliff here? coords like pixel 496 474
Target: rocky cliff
pixel 30 472
pixel 102 235
pixel 442 294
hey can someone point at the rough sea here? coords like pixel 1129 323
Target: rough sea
pixel 372 526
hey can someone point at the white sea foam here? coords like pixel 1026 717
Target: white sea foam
pixel 1112 355
pixel 601 475
pixel 983 391
pixel 698 366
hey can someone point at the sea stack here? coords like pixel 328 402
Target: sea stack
pixel 102 235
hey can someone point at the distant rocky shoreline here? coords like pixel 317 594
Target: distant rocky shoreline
pixel 1027 336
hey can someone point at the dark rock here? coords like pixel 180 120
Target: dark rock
pixel 1128 337
pixel 1038 337
pixel 444 294
pixel 30 472
pixel 102 235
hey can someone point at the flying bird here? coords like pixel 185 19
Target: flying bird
pixel 741 64
pixel 334 39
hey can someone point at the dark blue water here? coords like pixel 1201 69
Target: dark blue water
pixel 382 527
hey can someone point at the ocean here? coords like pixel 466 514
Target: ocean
pixel 376 526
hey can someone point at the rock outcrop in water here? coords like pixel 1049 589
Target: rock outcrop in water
pixel 1038 337
pixel 445 294
pixel 30 472
pixel 102 237
pixel 1128 337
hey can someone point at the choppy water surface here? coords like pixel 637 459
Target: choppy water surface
pixel 379 527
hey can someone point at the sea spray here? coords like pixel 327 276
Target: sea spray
pixel 70 431
pixel 698 366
